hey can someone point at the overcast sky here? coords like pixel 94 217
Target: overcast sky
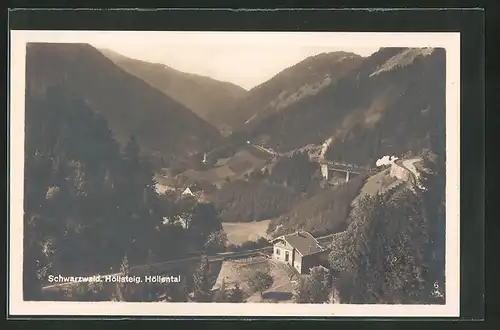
pixel 245 59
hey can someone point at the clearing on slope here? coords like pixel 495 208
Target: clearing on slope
pixel 240 232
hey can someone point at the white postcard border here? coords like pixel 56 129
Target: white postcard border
pixel 449 41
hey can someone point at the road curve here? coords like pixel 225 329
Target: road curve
pixel 409 165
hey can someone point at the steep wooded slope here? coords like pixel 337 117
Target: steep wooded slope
pixel 393 102
pixel 205 96
pixel 288 87
pixel 161 125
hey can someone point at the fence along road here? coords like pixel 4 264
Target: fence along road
pixel 172 264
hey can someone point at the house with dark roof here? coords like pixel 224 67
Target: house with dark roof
pixel 194 191
pixel 300 250
pixel 191 190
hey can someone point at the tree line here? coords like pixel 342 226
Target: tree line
pixel 324 213
pixel 89 203
pixel 393 250
pixel 269 193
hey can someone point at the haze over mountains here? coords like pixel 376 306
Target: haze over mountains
pixel 207 97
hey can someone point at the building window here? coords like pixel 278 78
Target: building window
pixel 287 256
pixel 278 251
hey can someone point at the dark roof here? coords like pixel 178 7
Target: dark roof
pixel 195 188
pixel 303 242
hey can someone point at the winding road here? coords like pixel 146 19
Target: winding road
pixel 409 165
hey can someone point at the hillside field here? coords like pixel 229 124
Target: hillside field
pixel 240 232
pixel 235 167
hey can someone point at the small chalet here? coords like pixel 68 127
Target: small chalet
pixel 193 190
pixel 300 250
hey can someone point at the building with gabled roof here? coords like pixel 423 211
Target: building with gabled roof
pixel 194 191
pixel 191 190
pixel 300 250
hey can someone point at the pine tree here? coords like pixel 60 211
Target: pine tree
pixel 222 294
pixel 124 266
pixel 151 290
pixel 261 281
pixel 315 289
pixel 236 294
pixel 318 286
pixel 300 295
pixel 205 220
pixel 201 279
pixel 216 241
pixel 390 236
pixel 131 151
pixel 177 292
pixel 433 181
pixel 124 271
pixel 79 188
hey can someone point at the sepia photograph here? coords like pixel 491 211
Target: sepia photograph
pixel 275 173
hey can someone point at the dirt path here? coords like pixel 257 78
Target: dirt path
pixel 410 164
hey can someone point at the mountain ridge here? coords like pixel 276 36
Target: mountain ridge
pixel 203 95
pixel 163 126
pixel 306 77
pixel 366 109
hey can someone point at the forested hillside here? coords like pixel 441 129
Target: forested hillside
pixel 208 98
pixel 85 195
pixel 249 201
pixel 289 86
pixel 392 103
pixel 271 192
pixel 393 250
pixel 297 172
pixel 162 126
pixel 100 132
pixel 324 213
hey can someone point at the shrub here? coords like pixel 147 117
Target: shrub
pixel 249 245
pixel 261 281
pixel 236 295
pixel 315 288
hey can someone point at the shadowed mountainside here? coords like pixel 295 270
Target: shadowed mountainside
pixel 393 102
pixel 161 125
pixel 304 79
pixel 206 97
